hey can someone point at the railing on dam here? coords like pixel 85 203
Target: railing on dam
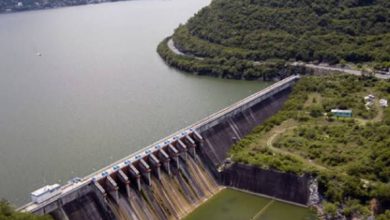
pixel 187 134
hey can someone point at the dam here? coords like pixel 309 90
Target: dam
pixel 171 177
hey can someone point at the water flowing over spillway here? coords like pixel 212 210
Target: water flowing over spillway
pixel 171 193
pixel 172 197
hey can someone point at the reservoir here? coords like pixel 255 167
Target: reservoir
pixel 81 87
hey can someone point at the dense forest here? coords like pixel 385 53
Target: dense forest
pixel 349 156
pixel 231 68
pixel 229 33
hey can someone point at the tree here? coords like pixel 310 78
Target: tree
pixel 384 216
pixel 316 111
pixel 330 209
pixel 8 213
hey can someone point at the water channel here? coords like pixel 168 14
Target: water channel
pixel 230 204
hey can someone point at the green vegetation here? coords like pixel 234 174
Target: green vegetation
pixel 8 213
pixel 231 68
pixel 330 209
pixel 384 216
pixel 350 156
pixel 255 38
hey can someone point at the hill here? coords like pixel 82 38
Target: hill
pixel 250 38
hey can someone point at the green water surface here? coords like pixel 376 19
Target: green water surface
pixel 231 204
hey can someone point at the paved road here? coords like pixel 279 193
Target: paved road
pixel 344 70
pixel 172 47
pixel 176 51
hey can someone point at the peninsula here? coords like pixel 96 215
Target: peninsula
pixel 258 39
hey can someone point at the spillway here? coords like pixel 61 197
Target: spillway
pixel 170 178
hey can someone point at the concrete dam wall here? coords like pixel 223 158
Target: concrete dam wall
pixel 171 177
pixel 285 186
pixel 220 137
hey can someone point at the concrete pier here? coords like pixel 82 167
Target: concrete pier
pixel 191 145
pixel 182 149
pixel 156 165
pixel 145 171
pixel 164 158
pixel 125 181
pixel 174 154
pixel 135 174
pixel 113 188
pixel 100 189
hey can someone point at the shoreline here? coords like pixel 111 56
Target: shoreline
pixel 303 66
pixel 267 72
pixel 13 11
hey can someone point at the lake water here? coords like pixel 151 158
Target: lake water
pixel 97 93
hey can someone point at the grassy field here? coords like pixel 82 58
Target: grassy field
pixel 350 156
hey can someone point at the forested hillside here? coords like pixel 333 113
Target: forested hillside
pixel 232 32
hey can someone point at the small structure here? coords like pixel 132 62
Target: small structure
pixel 75 180
pixel 369 101
pixel 45 193
pixel 383 103
pixel 342 113
pixel 369 98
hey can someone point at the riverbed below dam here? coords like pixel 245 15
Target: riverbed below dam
pixel 231 204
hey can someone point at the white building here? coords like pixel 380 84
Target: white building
pixel 45 193
pixel 383 103
pixel 369 100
